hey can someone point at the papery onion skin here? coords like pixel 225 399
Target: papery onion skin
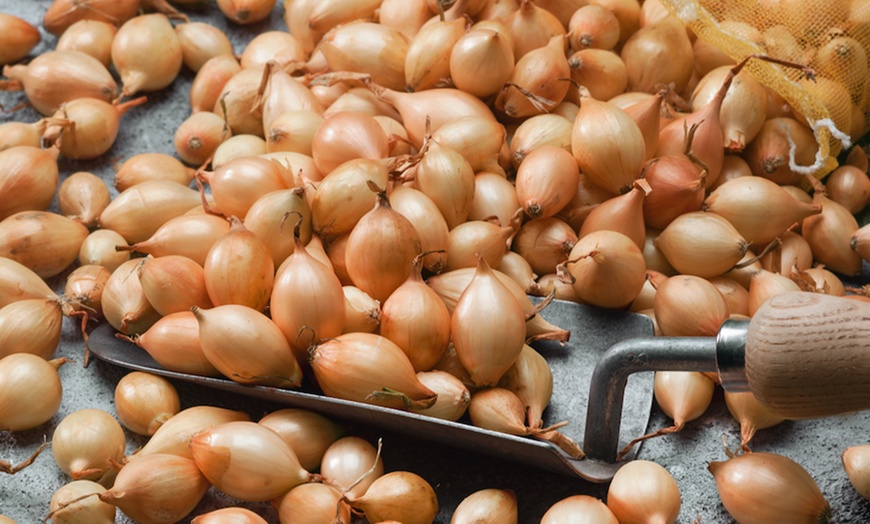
pixel 644 491
pixel 312 503
pixel 579 509
pixel 400 496
pixel 173 437
pixel 856 460
pixel 345 462
pixel 28 179
pixel 85 443
pixel 93 511
pixel 30 326
pixel 45 242
pixel 308 434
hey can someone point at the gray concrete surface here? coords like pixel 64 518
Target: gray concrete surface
pixel 24 497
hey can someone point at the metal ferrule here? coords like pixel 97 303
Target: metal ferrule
pixel 731 355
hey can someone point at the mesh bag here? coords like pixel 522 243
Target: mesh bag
pixel 830 36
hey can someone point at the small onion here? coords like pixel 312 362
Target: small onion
pixel 225 283
pixel 47 243
pixel 151 166
pixel 487 506
pixel 643 491
pixel 765 487
pixel 246 12
pixel 313 503
pixel 247 461
pixel 144 402
pixel 86 442
pixel 125 306
pixel 751 414
pixel 307 433
pixel 30 391
pixel 349 459
pixel 687 305
pixel 155 69
pixel 174 436
pixel 453 395
pixel 90 510
pixel 606 268
pixel 28 179
pixel 93 126
pixel 201 42
pixel 229 515
pixel 579 509
pixel 31 326
pixel 855 462
pixel 19 38
pixel 83 196
pixel 399 496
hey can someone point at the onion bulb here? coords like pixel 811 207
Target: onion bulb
pixel 144 402
pixel 702 244
pixel 229 515
pixel 19 38
pixel 44 242
pixel 365 367
pixel 246 346
pixel 313 503
pixel 83 196
pixel 28 179
pixel 90 510
pixel 765 487
pixel 579 509
pixel 606 268
pixel 856 462
pixel 308 434
pixel 352 464
pixel 751 414
pixel 399 496
pixel 239 269
pixel 86 442
pixel 173 437
pixel 487 506
pixel 30 391
pixel 247 461
pixel 644 491
pixel 246 12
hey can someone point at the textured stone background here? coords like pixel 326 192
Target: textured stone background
pixel 24 497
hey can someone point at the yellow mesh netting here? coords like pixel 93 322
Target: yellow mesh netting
pixel 830 36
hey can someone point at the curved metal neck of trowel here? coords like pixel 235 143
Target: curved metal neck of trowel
pixel 723 354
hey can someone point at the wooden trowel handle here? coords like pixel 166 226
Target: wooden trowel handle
pixel 808 355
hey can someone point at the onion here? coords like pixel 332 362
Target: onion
pixel 702 244
pixel 150 71
pixel 246 12
pixel 19 38
pixel 415 319
pixel 608 145
pixel 751 414
pixel 369 48
pixel 427 221
pixel 63 13
pixel 92 126
pixel 479 140
pixel 593 26
pixel 32 326
pixel 326 15
pixel 124 304
pixel 151 166
pixel 765 487
pixel 347 136
pixel 735 295
pixel 427 62
pixel 487 506
pixel 293 131
pixel 362 312
pixel 365 367
pixel 476 238
pixel 173 341
pixel 237 184
pixel 28 179
pixel 607 269
pixel 759 209
pixel 828 234
pixel 47 243
pixel 210 81
pixel 545 243
pixel 448 179
pixel 352 464
pixel 307 301
pixel 438 106
pixel 82 196
pixel 84 288
pixel 623 214
pixel 30 391
pixel 267 46
pixel 157 488
pixel 236 101
pixel 398 496
pixel 144 402
pixel 247 461
pixel 531 380
pixel 405 16
pixel 18 282
pixel 765 285
pixel 537 131
pixel 849 186
pixel 545 181
pixel 200 42
pixel 187 235
pixel 643 491
pixel 658 54
pixel 487 353
pixel 579 509
pixel 22 134
pixel 855 463
pixel 87 510
pixel 493 196
pixel 307 433
pixel 198 137
pixel 268 218
pixel 531 89
pixel 600 71
pixel 743 110
pixel 237 249
pixel 343 197
pixel 531 27
pixel 174 436
pixel 313 504
pixel 86 442
pixel 56 77
pixel 481 61
pixel 453 395
pixel 687 305
pixel 229 515
pixel 236 147
pixel 246 346
pixel 768 155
